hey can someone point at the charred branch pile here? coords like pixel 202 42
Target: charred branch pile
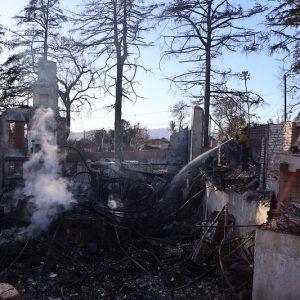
pixel 85 255
pixel 129 235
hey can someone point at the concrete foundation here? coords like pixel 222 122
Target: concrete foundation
pixel 276 266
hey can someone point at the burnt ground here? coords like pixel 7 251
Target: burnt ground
pixel 84 255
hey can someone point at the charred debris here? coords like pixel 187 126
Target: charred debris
pixel 100 229
pixel 131 233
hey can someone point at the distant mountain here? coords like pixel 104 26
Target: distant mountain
pixel 156 133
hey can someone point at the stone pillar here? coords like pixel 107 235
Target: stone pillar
pixel 196 132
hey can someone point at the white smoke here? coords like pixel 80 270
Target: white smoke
pixel 42 174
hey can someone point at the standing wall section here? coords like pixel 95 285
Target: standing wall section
pixel 196 138
pixel 245 212
pixel 177 152
pixel 279 142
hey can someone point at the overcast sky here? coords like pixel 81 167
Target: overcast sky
pixel 154 111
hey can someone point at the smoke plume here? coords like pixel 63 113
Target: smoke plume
pixel 42 174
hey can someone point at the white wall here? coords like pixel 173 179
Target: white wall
pixel 244 210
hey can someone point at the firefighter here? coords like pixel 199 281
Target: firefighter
pixel 243 140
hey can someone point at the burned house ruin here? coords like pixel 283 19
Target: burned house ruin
pixel 186 224
pixel 17 140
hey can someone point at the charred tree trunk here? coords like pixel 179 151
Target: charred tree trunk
pixel 122 53
pixel 46 32
pixel 68 120
pixel 207 80
pixel 118 114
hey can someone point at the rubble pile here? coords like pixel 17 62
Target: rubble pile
pixel 232 179
pixel 83 255
pixel 130 235
pixel 289 219
pixel 223 169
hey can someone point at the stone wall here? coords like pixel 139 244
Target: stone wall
pixel 177 152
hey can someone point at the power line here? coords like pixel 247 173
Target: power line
pixel 133 115
pixel 148 113
pixel 273 93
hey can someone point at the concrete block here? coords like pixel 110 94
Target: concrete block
pixel 276 266
pixel 8 292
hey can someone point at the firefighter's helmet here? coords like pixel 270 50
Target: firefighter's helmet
pixel 243 127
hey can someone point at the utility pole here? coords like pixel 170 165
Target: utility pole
pixel 245 75
pixel 285 92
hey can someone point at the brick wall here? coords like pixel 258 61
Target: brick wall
pixel 280 137
pixel 279 142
